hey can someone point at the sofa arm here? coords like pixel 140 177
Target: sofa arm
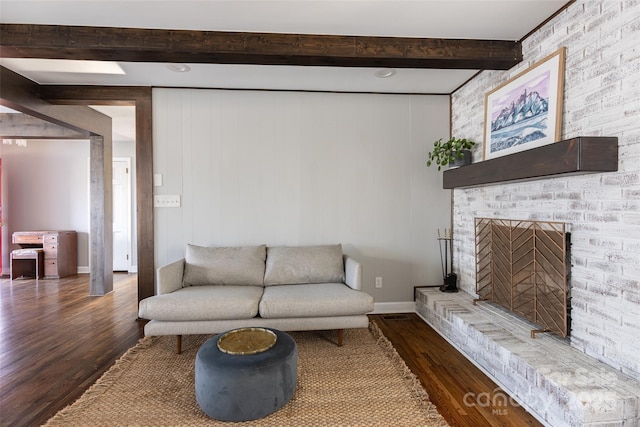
pixel 352 273
pixel 170 277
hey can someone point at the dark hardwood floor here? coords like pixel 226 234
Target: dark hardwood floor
pixel 55 341
pixel 462 393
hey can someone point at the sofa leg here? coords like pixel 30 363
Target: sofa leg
pixel 340 337
pixel 178 344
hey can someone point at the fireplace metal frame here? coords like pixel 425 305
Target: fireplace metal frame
pixel 524 266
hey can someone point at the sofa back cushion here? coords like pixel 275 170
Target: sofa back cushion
pixel 224 265
pixel 304 264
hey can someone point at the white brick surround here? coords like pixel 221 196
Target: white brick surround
pixel 558 384
pixel 601 98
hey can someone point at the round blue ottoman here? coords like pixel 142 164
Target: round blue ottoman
pixel 243 387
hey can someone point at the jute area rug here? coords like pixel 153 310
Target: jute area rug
pixel 363 383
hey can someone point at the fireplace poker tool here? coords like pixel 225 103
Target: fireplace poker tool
pixel 449 277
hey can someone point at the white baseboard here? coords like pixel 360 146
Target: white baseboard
pixel 85 270
pixel 394 307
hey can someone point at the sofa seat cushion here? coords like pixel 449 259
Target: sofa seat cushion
pixel 224 265
pixel 313 300
pixel 203 303
pixel 288 265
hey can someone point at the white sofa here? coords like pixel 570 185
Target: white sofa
pixel 215 289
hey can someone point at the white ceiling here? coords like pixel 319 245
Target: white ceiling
pixel 123 120
pixel 475 19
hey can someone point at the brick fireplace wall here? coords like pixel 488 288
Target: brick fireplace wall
pixel 601 98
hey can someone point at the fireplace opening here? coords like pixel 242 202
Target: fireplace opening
pixel 524 266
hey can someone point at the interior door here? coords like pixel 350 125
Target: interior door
pixel 121 214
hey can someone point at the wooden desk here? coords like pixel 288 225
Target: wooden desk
pixel 60 250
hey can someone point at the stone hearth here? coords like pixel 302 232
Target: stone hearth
pixel 558 384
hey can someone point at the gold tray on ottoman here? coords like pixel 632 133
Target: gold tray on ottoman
pixel 246 341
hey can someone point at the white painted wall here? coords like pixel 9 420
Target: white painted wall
pixel 292 168
pixel 41 191
pixel 601 97
pixel 45 185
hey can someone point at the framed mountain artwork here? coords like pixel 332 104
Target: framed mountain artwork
pixel 526 111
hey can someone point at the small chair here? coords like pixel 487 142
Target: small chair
pixel 27 263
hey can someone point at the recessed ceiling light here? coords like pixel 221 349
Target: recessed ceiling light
pixel 384 73
pixel 179 68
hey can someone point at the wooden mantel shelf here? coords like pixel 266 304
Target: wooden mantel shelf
pixel 584 154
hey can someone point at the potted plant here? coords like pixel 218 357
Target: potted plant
pixel 454 152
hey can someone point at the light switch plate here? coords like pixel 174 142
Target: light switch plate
pixel 166 201
pixel 157 180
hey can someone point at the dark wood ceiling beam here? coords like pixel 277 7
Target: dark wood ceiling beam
pixel 186 46
pixel 23 126
pixel 22 94
pixel 94 95
pixel 141 98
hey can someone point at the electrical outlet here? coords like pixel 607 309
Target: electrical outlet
pixel 378 282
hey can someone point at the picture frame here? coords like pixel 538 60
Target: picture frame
pixel 525 111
